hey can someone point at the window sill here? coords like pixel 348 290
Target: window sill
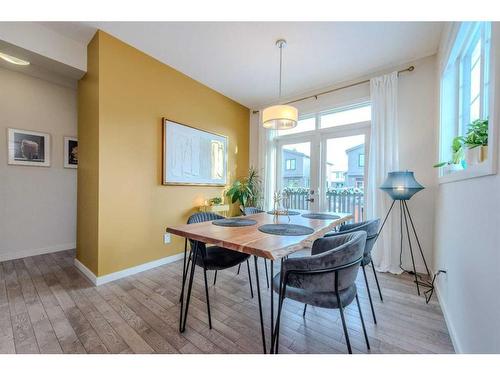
pixel 479 170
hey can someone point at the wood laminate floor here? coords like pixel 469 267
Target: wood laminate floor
pixel 48 306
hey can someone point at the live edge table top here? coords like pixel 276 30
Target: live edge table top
pixel 251 241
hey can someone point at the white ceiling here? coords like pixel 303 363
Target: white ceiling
pixel 240 59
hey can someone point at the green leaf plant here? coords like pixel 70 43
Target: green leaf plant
pixel 457 155
pixel 246 190
pixel 477 134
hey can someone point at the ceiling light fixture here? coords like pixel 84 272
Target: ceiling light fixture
pixel 13 60
pixel 280 117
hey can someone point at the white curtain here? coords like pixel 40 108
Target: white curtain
pixel 267 162
pixel 383 158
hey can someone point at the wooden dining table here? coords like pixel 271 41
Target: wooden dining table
pixel 252 241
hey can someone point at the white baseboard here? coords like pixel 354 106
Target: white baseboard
pixel 449 324
pixel 126 272
pixel 10 255
pixel 88 273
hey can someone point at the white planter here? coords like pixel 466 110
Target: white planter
pixel 450 168
pixel 484 153
pixel 476 155
pixel 473 156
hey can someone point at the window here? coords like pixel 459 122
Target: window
pixel 344 116
pixel 303 125
pixel 473 84
pixel 290 164
pixel 353 114
pixel 361 160
pixel 465 86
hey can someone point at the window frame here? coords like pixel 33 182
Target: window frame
pixel 294 164
pixel 451 118
pixel 361 156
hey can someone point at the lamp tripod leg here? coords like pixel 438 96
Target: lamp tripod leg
pixel 385 219
pixel 428 293
pixel 411 249
pixel 416 237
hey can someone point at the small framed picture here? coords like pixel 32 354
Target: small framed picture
pixel 27 147
pixel 70 152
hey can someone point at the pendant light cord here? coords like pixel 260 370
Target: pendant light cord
pixel 281 66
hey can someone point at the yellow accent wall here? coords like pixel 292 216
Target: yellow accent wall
pixel 88 164
pixel 130 209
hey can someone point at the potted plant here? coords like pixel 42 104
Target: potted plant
pixel 457 156
pixel 476 142
pixel 246 190
pixel 215 201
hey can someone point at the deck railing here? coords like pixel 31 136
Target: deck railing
pixel 350 200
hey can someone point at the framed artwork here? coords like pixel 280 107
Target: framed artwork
pixel 27 147
pixel 192 156
pixel 70 152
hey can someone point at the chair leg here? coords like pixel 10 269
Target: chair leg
pixel 215 277
pixel 276 339
pixel 249 278
pixel 208 299
pixel 376 280
pixel 304 312
pixel 346 334
pixel 239 266
pixel 362 322
pixel 267 275
pixel 369 295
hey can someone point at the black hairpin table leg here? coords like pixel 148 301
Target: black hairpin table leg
pixel 260 305
pixel 272 302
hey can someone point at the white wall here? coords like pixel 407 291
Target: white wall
pixel 417 124
pixel 467 245
pixel 417 129
pixel 37 204
pixel 34 37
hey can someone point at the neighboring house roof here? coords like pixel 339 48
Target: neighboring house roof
pixel 296 153
pixel 354 148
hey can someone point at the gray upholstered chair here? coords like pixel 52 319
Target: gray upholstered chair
pixel 371 229
pixel 326 279
pixel 251 210
pixel 211 258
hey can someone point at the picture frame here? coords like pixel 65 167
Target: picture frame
pixel 27 147
pixel 193 156
pixel 70 152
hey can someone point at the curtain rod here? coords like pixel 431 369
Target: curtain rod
pixel 409 69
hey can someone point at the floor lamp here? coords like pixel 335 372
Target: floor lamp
pixel 401 186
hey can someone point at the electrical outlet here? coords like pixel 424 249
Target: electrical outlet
pixel 166 238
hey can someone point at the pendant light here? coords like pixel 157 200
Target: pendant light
pixel 280 117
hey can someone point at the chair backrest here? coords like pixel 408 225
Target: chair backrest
pixel 328 254
pixel 251 210
pixel 200 217
pixel 371 229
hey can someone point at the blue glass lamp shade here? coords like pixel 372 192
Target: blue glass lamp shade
pixel 401 185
